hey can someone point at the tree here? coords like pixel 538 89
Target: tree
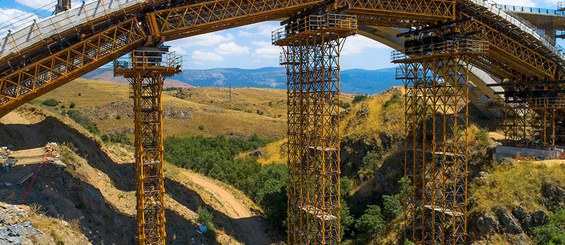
pixel 392 206
pixel 552 233
pixel 371 223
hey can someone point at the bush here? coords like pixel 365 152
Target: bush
pixel 371 223
pixel 394 100
pixel 552 232
pixel 359 98
pixel 204 217
pixel 371 162
pixel 84 121
pixel 392 206
pixel 200 127
pixel 72 105
pixel 50 102
pixel 117 137
pixel 345 105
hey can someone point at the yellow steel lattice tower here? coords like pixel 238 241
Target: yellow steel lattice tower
pixel 146 72
pixel 311 49
pixel 435 73
pixel 534 122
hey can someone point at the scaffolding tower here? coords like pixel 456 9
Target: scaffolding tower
pixel 311 49
pixel 435 72
pixel 534 114
pixel 146 70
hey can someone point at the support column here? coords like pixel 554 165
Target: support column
pixel 435 74
pixel 146 71
pixel 311 50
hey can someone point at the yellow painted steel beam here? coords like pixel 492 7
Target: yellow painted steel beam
pixel 398 11
pixel 68 64
pixel 503 48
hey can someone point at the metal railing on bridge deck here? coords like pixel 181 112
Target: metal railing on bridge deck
pixel 149 59
pixel 463 46
pixel 316 23
pixel 523 25
pixel 531 10
pixel 532 103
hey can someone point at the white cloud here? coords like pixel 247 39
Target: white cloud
pixel 527 3
pixel 47 4
pixel 231 48
pixel 263 29
pixel 266 50
pixel 199 55
pixel 359 44
pixel 208 39
pixel 14 19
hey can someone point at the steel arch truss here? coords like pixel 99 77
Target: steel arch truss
pixel 70 63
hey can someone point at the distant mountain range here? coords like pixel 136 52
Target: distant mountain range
pixel 356 81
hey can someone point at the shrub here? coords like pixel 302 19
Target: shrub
pixel 117 137
pixel 552 232
pixel 345 105
pixel 395 99
pixel 200 127
pixel 371 162
pixel 50 102
pixel 84 121
pixel 371 223
pixel 359 98
pixel 205 217
pixel 392 206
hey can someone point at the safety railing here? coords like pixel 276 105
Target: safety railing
pixel 148 59
pixel 522 24
pixel 466 46
pixel 31 29
pixel 533 103
pixel 530 10
pixel 316 23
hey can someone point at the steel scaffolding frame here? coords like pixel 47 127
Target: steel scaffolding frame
pixel 311 51
pixel 436 79
pixel 533 122
pixel 146 71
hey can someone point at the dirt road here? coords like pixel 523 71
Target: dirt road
pixel 249 225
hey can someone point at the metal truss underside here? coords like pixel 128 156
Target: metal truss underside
pixel 311 50
pixel 68 64
pixel 146 74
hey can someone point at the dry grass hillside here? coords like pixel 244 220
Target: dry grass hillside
pixel 369 120
pixel 109 106
pixel 92 195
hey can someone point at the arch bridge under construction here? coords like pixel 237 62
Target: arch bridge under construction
pixel 451 53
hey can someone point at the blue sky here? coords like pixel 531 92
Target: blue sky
pixel 243 47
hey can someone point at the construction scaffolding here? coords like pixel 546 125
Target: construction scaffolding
pixel 435 72
pixel 533 122
pixel 311 51
pixel 146 70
